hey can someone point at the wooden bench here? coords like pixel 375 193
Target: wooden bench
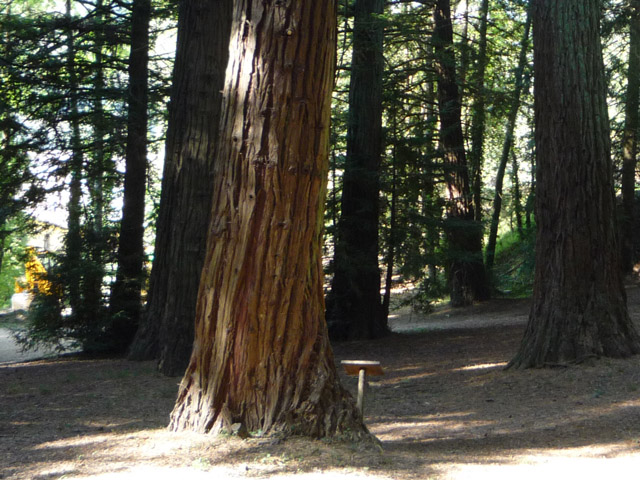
pixel 362 368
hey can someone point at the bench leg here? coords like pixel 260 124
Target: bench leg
pixel 362 380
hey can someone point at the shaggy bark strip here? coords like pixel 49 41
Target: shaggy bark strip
pixel 261 355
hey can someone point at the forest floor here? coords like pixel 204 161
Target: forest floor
pixel 445 409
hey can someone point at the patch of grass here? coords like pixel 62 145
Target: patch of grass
pixel 16 388
pixel 202 463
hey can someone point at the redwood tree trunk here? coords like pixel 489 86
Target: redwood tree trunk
pixel 467 278
pixel 261 354
pixel 354 308
pixel 166 334
pixel 630 140
pixel 126 295
pixel 579 305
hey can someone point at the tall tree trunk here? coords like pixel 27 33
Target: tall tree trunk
pixel 94 271
pixel 261 354
pixel 529 204
pixel 467 277
pixel 204 27
pixel 126 300
pixel 478 113
pixel 629 140
pixel 464 51
pixel 354 308
pixel 507 144
pixel 579 305
pixel 73 239
pixel 393 224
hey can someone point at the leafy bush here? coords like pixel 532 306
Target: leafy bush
pixel 514 265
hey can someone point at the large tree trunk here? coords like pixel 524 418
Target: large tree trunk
pixel 467 278
pixel 261 354
pixel 204 27
pixel 506 146
pixel 126 300
pixel 354 308
pixel 629 140
pixel 579 305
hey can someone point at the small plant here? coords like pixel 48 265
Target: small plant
pixel 202 463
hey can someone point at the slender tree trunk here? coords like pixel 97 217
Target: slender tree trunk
pixel 261 355
pixel 464 52
pixel 73 240
pixel 204 27
pixel 529 205
pixel 354 308
pixel 391 241
pixel 507 145
pixel 126 300
pixel 478 113
pixel 467 277
pixel 517 195
pixel 629 141
pixel 94 271
pixel 579 305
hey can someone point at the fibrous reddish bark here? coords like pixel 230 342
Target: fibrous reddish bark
pixel 579 305
pixel 261 353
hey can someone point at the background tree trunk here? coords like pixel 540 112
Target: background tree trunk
pixel 354 308
pixel 204 27
pixel 506 148
pixel 94 270
pixel 478 113
pixel 467 278
pixel 579 305
pixel 261 353
pixel 126 300
pixel 629 140
pixel 73 237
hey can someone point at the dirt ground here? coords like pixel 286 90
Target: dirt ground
pixel 445 409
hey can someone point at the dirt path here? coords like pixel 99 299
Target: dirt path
pixel 445 409
pixel 10 352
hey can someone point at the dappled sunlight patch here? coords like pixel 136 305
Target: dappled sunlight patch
pixel 604 461
pixel 431 427
pixel 220 473
pixel 481 366
pixel 402 379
